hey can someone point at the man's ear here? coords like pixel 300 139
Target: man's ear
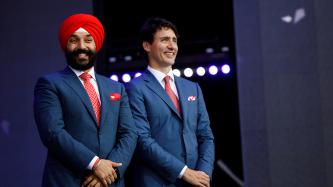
pixel 146 46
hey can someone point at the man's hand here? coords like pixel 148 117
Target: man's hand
pixel 105 171
pixel 92 180
pixel 196 178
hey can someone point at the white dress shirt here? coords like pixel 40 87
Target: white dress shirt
pixel 160 78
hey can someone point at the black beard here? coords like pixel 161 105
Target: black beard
pixel 81 65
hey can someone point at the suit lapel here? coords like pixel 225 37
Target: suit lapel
pixel 156 87
pixel 73 81
pixel 104 91
pixel 182 93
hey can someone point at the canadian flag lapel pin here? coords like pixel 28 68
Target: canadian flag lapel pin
pixel 191 98
pixel 115 97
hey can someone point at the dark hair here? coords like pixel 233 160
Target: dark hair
pixel 150 27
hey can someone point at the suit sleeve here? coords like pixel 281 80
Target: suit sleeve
pixel 149 150
pixel 205 138
pixel 51 127
pixel 126 135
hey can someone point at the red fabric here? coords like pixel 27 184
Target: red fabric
pixel 115 97
pixel 86 21
pixel 92 95
pixel 172 95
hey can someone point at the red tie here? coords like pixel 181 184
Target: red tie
pixel 172 95
pixel 92 94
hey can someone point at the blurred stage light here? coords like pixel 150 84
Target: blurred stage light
pixel 176 72
pixel 225 69
pixel 128 58
pixel 138 74
pixel 114 77
pixel 225 49
pixel 201 71
pixel 213 70
pixel 188 72
pixel 209 50
pixel 112 59
pixel 126 77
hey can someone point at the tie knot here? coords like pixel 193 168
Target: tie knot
pixel 85 76
pixel 167 79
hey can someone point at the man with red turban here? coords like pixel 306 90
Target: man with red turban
pixel 83 118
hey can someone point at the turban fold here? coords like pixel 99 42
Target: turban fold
pixel 86 21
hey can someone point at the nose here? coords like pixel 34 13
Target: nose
pixel 81 45
pixel 172 45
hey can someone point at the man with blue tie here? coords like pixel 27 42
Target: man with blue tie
pixel 83 118
pixel 175 142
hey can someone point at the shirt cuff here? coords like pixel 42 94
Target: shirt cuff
pixel 182 172
pixel 92 162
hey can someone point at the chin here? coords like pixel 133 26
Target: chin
pixel 82 62
pixel 171 63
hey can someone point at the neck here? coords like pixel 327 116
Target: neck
pixel 164 70
pixel 88 70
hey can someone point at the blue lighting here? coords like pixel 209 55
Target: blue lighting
pixel 128 58
pixel 201 71
pixel 114 77
pixel 138 74
pixel 213 70
pixel 188 72
pixel 176 72
pixel 126 77
pixel 225 69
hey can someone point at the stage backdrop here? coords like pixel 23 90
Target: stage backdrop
pixel 29 48
pixel 285 80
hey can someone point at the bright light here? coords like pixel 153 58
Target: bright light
pixel 114 77
pixel 128 58
pixel 209 50
pixel 225 49
pixel 213 70
pixel 112 59
pixel 138 74
pixel 188 72
pixel 176 72
pixel 225 69
pixel 126 77
pixel 201 71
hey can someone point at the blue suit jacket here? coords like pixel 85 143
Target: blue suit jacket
pixel 168 141
pixel 68 128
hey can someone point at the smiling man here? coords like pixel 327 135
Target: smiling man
pixel 175 143
pixel 83 118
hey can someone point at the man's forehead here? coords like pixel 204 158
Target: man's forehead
pixel 80 34
pixel 81 30
pixel 165 35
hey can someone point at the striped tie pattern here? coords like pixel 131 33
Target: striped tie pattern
pixel 171 94
pixel 92 94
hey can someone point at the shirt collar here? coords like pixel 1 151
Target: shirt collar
pixel 79 72
pixel 160 75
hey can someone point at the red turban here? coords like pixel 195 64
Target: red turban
pixel 86 21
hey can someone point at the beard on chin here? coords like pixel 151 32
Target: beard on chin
pixel 82 65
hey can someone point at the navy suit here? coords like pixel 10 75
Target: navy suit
pixel 166 140
pixel 67 126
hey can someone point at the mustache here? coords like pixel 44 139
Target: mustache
pixel 80 51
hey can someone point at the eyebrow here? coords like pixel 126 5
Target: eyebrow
pixel 167 37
